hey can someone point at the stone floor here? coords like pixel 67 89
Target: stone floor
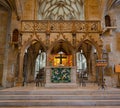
pixel 87 87
pixel 69 107
pixel 32 86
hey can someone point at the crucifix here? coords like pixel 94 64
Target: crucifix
pixel 60 57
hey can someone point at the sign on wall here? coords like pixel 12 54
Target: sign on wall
pixel 101 63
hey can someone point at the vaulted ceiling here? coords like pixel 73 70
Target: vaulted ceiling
pixel 58 9
pixel 112 4
pixel 8 4
pixel 61 9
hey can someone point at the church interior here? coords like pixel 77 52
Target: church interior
pixel 65 42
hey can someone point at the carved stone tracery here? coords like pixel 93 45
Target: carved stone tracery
pixel 62 30
pixel 60 26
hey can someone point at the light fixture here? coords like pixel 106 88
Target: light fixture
pixel 61 52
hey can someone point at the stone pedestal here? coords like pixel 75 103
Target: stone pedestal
pixel 71 84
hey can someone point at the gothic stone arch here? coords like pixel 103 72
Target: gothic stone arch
pixel 68 46
pixel 25 45
pixel 97 43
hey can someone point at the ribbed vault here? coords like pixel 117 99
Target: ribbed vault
pixel 61 9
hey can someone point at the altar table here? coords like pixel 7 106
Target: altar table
pixel 61 76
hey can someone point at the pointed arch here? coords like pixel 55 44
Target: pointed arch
pixel 25 46
pixel 94 43
pixel 61 45
pixel 66 46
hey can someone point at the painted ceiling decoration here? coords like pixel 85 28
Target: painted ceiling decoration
pixel 61 9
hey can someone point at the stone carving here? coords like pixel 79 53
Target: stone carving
pixel 60 26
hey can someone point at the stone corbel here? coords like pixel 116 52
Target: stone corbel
pixel 109 30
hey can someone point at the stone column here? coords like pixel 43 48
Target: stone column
pixel 20 76
pixel 47 39
pixel 74 45
pixel 25 68
pixel 74 39
pixel 5 66
pixel 47 59
pixel 48 74
pixel 74 58
pixel 47 46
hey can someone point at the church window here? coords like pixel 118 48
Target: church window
pixel 40 61
pixel 81 62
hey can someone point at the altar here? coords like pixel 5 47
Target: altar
pixel 61 76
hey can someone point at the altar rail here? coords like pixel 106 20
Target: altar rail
pixel 58 26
